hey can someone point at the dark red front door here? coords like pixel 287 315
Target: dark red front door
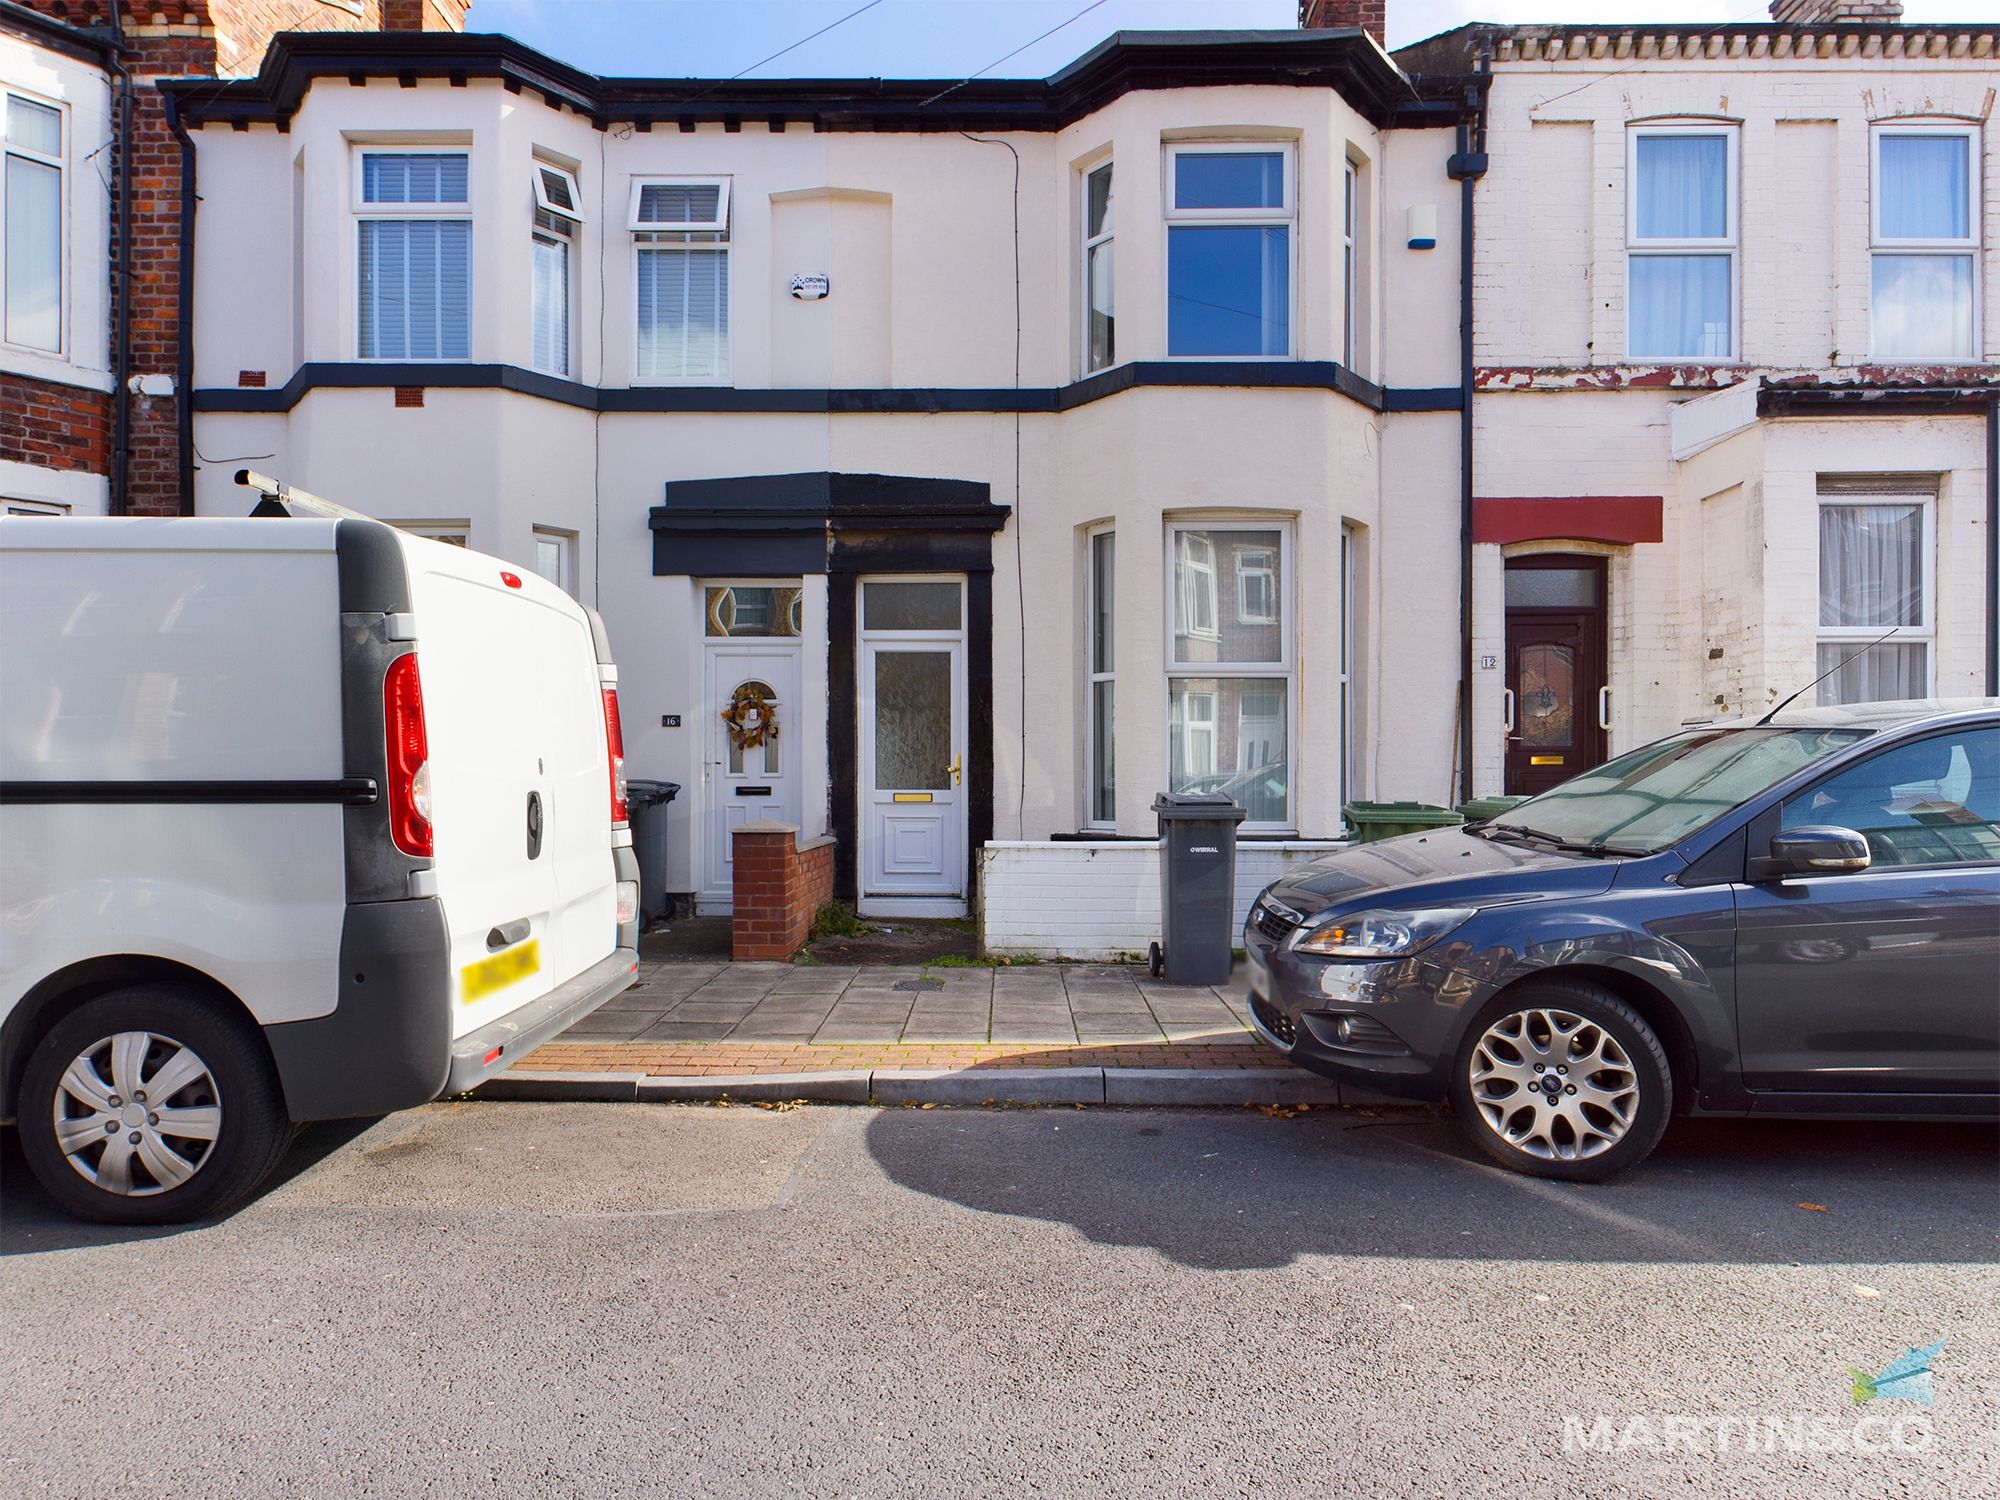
pixel 1555 669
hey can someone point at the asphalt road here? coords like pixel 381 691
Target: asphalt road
pixel 531 1300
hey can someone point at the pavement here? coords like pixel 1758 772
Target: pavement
pixel 590 1300
pixel 1035 1034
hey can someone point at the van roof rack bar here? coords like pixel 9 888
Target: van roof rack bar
pixel 282 499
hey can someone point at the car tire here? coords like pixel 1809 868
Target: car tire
pixel 1560 1078
pixel 195 1150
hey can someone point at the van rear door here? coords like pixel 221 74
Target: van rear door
pixel 519 779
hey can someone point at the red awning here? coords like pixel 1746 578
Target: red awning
pixel 1618 519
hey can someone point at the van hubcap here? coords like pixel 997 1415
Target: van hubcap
pixel 137 1114
pixel 1554 1084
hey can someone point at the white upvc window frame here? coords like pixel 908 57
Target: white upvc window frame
pixel 1350 262
pixel 1231 218
pixel 1094 676
pixel 659 235
pixel 1966 248
pixel 566 553
pixel 1105 238
pixel 363 211
pixel 9 506
pixel 560 230
pixel 1730 244
pixel 60 162
pixel 451 533
pixel 1284 670
pixel 566 179
pixel 1925 632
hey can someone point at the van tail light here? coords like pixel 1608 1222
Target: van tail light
pixel 409 757
pixel 614 739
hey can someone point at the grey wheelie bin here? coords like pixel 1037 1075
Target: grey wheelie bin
pixel 647 802
pixel 1197 886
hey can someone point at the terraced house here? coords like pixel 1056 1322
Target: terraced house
pixel 1244 411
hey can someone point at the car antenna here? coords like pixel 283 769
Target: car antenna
pixel 1826 674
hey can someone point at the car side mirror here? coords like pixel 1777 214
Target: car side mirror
pixel 1817 850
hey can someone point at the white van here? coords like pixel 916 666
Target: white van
pixel 300 819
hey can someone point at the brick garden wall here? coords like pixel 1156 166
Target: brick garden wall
pixel 779 885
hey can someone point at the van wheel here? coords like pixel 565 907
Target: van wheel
pixel 1562 1079
pixel 149 1105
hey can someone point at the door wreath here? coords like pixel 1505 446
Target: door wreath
pixel 752 716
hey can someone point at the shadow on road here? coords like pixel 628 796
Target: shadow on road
pixel 1238 1189
pixel 30 1222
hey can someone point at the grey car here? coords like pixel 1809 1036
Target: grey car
pixel 1795 917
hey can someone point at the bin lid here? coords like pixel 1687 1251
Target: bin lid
pixel 639 789
pixel 1207 807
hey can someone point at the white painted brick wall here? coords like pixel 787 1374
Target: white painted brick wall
pixel 1100 900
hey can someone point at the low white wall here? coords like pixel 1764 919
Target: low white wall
pixel 1078 899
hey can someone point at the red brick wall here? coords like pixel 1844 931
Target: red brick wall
pixel 778 889
pixel 424 15
pixel 56 426
pixel 1372 15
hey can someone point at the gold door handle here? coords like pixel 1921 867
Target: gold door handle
pixel 956 769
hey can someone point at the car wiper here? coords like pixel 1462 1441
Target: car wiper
pixel 1597 849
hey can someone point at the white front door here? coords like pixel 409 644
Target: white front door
pixel 912 733
pixel 744 784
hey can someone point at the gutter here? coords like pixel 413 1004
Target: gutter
pixel 184 318
pixel 1466 167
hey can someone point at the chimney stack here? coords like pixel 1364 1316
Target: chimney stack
pixel 1369 15
pixel 1836 12
pixel 424 15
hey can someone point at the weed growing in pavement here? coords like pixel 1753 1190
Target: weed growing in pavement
pixel 837 919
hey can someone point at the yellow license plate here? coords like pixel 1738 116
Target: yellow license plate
pixel 477 981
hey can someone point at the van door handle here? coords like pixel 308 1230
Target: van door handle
pixel 507 934
pixel 534 825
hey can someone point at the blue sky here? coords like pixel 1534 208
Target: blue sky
pixel 954 38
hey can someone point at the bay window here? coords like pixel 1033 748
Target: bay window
pixel 1100 350
pixel 415 228
pixel 1100 595
pixel 1230 665
pixel 1874 573
pixel 31 220
pixel 680 234
pixel 1229 252
pixel 1681 240
pixel 1925 244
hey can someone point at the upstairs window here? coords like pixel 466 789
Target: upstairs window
pixel 680 234
pixel 1100 349
pixel 1350 263
pixel 1229 252
pixel 31 239
pixel 558 213
pixel 415 296
pixel 1681 242
pixel 1925 243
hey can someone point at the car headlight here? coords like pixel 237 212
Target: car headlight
pixel 1381 934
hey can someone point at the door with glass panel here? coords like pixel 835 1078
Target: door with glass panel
pixel 912 696
pixel 1557 700
pixel 750 769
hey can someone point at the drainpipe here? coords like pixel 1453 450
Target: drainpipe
pixel 1993 546
pixel 184 314
pixel 121 285
pixel 1466 167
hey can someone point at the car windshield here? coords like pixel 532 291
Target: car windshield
pixel 1656 796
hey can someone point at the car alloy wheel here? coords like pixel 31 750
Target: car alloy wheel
pixel 1553 1084
pixel 137 1113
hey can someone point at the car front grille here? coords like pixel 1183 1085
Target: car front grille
pixel 1275 922
pixel 1274 1020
